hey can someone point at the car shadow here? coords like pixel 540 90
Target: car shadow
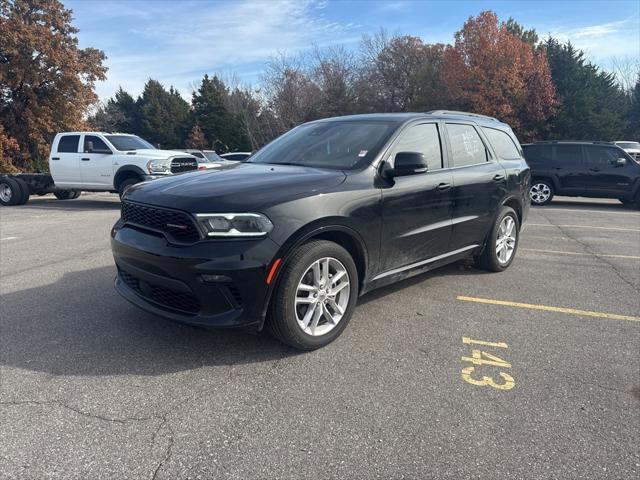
pixel 79 325
pixel 78 204
pixel 585 204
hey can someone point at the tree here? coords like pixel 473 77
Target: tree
pixel 163 117
pixel 633 129
pixel 527 36
pixel 220 127
pixel 196 139
pixel 118 114
pixel 592 104
pixel 46 81
pixel 491 71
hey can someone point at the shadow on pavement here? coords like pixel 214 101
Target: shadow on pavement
pixel 585 204
pixel 79 204
pixel 79 325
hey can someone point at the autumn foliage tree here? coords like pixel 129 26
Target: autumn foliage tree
pixel 196 138
pixel 492 71
pixel 46 81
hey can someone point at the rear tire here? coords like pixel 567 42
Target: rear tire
pixel 66 195
pixel 25 191
pixel 541 192
pixel 10 192
pixel 502 243
pixel 124 186
pixel 309 309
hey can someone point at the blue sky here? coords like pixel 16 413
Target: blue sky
pixel 177 42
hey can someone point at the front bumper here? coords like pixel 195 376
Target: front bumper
pixel 167 280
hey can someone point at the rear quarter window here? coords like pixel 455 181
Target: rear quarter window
pixel 502 143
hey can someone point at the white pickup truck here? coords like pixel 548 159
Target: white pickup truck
pixel 97 162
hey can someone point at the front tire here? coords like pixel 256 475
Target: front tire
pixel 124 186
pixel 502 243
pixel 315 297
pixel 66 194
pixel 541 192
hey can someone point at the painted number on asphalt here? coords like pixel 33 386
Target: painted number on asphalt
pixel 481 358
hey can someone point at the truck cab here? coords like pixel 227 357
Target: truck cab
pixel 101 161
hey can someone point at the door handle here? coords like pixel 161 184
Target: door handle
pixel 85 159
pixel 55 158
pixel 498 177
pixel 444 186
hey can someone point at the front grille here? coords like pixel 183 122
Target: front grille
pixel 185 302
pixel 179 165
pixel 235 293
pixel 176 225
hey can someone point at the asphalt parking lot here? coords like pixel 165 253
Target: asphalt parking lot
pixel 531 373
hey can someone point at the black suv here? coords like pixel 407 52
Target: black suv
pixel 582 169
pixel 330 210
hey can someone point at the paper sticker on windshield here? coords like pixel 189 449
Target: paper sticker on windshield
pixel 363 153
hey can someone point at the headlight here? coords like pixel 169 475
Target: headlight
pixel 235 224
pixel 158 166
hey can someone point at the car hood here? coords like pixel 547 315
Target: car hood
pixel 240 187
pixel 158 154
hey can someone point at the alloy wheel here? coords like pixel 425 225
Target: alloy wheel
pixel 506 240
pixel 5 192
pixel 322 296
pixel 539 192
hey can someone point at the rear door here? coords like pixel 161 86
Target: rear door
pixel 417 209
pixel 64 161
pixel 479 184
pixel 570 167
pixel 96 165
pixel 606 177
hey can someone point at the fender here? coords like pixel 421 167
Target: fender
pixel 126 170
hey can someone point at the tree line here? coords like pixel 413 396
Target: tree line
pixel 545 89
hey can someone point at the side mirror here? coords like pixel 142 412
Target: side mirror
pixel 409 163
pixel 620 162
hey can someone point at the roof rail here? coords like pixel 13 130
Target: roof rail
pixel 456 112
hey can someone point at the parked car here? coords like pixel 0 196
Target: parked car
pixel 94 161
pixel 326 212
pixel 205 160
pixel 585 169
pixel 236 156
pixel 632 148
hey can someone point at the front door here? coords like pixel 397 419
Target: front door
pixel 96 165
pixel 606 177
pixel 416 212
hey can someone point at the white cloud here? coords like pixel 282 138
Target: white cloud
pixel 177 43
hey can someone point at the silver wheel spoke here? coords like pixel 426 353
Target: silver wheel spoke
pixel 337 308
pixel 317 313
pixel 305 300
pixel 317 277
pixel 506 238
pixel 303 287
pixel 339 288
pixel 308 316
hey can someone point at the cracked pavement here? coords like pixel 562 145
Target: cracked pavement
pixel 91 387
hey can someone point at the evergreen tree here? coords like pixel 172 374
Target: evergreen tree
pixel 592 104
pixel 118 114
pixel 633 130
pixel 220 127
pixel 163 117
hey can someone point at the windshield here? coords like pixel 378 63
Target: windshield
pixel 629 145
pixel 213 156
pixel 128 142
pixel 339 145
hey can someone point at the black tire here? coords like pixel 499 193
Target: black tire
pixel 125 184
pixel 76 194
pixel 10 192
pixel 282 320
pixel 24 189
pixel 489 260
pixel 65 194
pixel 541 192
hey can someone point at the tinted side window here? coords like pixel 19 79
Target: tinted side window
pixel 423 138
pixel 502 143
pixel 538 154
pixel 567 154
pixel 69 144
pixel 466 146
pixel 602 156
pixel 98 144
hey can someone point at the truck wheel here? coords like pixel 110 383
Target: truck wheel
pixel 76 194
pixel 65 195
pixel 25 191
pixel 10 192
pixel 126 183
pixel 315 297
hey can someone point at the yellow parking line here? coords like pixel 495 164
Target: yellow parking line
pixel 559 252
pixel 571 311
pixel 582 226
